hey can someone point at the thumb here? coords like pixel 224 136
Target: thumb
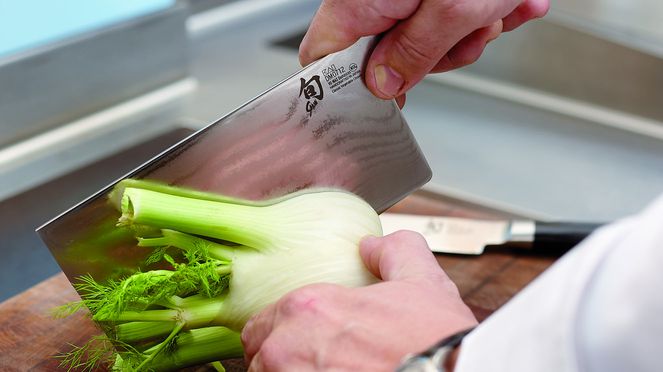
pixel 414 46
pixel 399 256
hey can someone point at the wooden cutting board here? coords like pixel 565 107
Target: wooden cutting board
pixel 30 337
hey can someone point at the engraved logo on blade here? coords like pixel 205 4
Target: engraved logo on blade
pixel 312 92
pixel 433 227
pixel 340 77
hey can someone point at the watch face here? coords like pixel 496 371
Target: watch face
pixel 419 364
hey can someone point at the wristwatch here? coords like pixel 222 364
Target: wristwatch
pixel 433 359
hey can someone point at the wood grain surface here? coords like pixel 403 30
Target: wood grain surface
pixel 30 337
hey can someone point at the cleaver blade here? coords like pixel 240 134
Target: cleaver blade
pixel 321 127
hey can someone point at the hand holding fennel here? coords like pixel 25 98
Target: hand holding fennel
pixel 326 327
pixel 191 311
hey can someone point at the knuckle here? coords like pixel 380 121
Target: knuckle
pixel 450 286
pixel 245 336
pixel 408 237
pixel 475 13
pixel 541 8
pixel 442 281
pixel 296 303
pixel 271 354
pixel 373 11
pixel 306 300
pixel 439 281
pixel 391 9
pixel 459 8
pixel 414 50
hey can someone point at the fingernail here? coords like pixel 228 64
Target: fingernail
pixel 388 81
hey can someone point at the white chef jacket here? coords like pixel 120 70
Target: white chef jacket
pixel 599 308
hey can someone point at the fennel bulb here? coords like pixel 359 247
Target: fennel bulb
pixel 234 258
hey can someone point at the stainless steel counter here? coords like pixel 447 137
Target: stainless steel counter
pixel 554 145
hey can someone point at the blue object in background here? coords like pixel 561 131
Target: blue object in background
pixel 27 24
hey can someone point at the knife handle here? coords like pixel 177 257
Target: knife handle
pixel 560 236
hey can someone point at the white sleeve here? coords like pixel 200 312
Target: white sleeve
pixel 599 308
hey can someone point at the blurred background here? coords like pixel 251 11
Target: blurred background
pixel 561 119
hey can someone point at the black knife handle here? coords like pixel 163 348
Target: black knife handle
pixel 561 236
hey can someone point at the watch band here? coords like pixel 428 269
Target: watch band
pixel 434 358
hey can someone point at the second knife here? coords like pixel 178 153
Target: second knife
pixel 471 236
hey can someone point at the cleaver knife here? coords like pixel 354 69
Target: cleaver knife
pixel 321 127
pixel 470 236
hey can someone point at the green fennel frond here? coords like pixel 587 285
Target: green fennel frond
pixel 204 277
pixel 157 255
pixel 199 251
pixel 67 309
pixel 94 295
pixel 108 300
pixel 91 356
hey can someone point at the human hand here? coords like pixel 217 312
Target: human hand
pixel 420 36
pixel 329 327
